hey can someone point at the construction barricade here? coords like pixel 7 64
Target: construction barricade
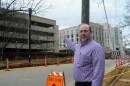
pixel 56 79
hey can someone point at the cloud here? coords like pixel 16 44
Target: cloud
pixel 115 11
pixel 68 12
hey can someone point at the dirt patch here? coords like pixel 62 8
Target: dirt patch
pixel 35 62
pixel 108 78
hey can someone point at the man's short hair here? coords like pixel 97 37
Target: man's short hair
pixel 85 24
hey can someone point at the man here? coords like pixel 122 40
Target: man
pixel 89 58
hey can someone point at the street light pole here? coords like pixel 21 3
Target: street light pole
pixel 29 34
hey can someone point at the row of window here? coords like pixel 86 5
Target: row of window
pixel 21 40
pixel 22 30
pixel 20 19
pixel 41 24
pixel 93 29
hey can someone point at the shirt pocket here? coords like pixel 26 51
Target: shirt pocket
pixel 85 59
pixel 76 57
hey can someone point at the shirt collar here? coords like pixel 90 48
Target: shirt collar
pixel 84 43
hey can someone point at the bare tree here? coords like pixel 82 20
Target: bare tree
pixel 126 21
pixel 125 24
pixel 126 39
pixel 39 7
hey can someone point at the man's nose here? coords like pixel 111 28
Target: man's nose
pixel 83 32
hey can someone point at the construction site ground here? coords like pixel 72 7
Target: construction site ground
pixel 124 80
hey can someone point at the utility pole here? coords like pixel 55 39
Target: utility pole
pixel 85 11
pixel 29 34
pixel 0 3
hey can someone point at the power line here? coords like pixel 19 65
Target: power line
pixel 115 12
pixel 105 12
pixel 98 2
pixel 112 39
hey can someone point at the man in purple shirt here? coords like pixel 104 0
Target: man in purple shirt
pixel 89 58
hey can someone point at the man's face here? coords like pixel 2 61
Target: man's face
pixel 84 33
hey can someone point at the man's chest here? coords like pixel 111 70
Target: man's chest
pixel 83 55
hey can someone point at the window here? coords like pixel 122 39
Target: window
pixel 77 39
pixel 71 35
pixel 77 35
pixel 67 32
pixel 77 31
pixel 67 36
pixel 71 31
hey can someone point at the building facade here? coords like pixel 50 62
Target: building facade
pixel 14 33
pixel 113 39
pixel 97 33
pixel 71 33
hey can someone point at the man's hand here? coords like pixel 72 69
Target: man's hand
pixel 63 35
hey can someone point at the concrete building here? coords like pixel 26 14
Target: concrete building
pixel 14 33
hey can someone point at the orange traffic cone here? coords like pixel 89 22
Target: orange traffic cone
pixel 68 60
pixel 7 65
pixel 45 62
pixel 124 61
pixel 57 61
pixel 116 63
pixel 121 61
pixel 72 60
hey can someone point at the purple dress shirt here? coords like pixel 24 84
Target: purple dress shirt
pixel 89 61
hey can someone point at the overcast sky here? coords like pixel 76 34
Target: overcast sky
pixel 67 13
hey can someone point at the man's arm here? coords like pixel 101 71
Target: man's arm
pixel 70 44
pixel 98 62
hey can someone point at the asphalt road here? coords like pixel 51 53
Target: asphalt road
pixel 36 76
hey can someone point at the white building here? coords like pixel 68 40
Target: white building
pixel 71 33
pixel 113 39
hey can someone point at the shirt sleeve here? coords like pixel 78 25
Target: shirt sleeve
pixel 70 44
pixel 98 62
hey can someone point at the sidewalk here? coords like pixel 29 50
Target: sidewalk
pixel 109 70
